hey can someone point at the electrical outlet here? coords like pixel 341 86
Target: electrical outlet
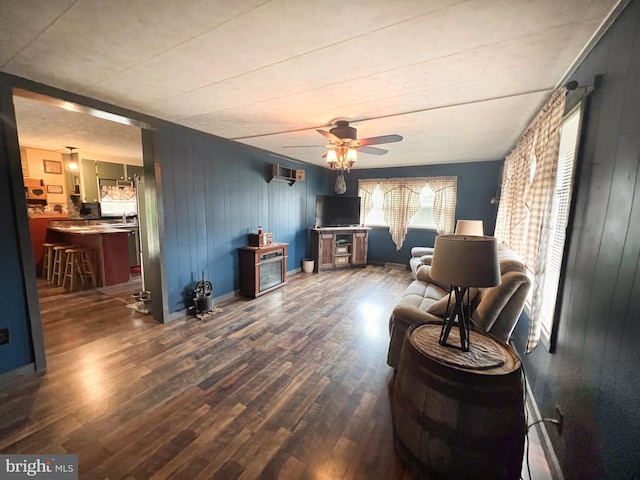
pixel 559 420
pixel 4 336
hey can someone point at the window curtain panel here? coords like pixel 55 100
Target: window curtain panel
pixel 528 185
pixel 444 203
pixel 402 201
pixel 365 192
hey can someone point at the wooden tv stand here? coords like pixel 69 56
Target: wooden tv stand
pixel 339 247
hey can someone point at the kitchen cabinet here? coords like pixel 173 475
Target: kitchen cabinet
pixel 133 171
pixel 110 171
pixel 95 173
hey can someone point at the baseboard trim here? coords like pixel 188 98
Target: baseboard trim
pixel 545 441
pixel 24 371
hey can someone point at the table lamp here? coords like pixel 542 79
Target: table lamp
pixel 462 262
pixel 469 227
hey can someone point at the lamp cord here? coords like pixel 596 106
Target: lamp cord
pixel 532 424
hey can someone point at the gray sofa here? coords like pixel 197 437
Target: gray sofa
pixel 420 256
pixel 495 310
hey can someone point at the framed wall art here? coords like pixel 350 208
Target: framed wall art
pixel 52 166
pixel 54 189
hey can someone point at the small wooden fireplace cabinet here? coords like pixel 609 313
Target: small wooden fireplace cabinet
pixel 262 269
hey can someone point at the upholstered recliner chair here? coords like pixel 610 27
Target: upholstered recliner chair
pixel 495 310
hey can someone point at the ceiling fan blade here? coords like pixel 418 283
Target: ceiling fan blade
pixel 302 146
pixel 380 139
pixel 330 136
pixel 372 150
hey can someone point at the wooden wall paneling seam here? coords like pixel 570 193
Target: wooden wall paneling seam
pixel 166 137
pixel 203 224
pixel 208 228
pixel 215 198
pixel 190 196
pixel 200 210
pixel 198 223
pixel 181 155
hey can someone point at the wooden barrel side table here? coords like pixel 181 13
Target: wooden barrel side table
pixel 458 415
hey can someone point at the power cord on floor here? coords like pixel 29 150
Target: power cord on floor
pixel 554 421
pixel 542 420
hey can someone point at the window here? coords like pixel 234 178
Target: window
pixel 534 206
pixel 402 203
pixel 559 219
pixel 375 217
pixel 423 218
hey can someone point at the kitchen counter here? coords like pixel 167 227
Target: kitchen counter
pixel 108 241
pixel 88 229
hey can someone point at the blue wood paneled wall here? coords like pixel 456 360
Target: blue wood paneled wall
pixel 593 374
pixel 215 193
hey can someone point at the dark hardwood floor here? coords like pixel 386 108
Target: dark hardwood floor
pixel 290 385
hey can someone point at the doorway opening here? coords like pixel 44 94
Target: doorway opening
pixel 87 167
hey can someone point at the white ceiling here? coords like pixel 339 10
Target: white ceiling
pixel 459 80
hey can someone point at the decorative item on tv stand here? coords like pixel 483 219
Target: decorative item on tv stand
pixel 260 239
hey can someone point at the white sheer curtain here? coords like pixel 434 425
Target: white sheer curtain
pixel 402 201
pixel 528 185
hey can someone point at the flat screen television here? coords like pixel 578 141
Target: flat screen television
pixel 337 211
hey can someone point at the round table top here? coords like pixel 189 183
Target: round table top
pixel 484 353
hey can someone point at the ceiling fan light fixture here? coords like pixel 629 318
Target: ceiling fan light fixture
pixel 332 158
pixel 352 156
pixel 342 157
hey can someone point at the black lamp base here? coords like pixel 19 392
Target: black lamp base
pixel 458 317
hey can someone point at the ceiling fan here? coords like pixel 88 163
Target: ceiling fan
pixel 344 135
pixel 344 143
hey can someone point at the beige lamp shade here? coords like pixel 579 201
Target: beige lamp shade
pixel 465 261
pixel 469 227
